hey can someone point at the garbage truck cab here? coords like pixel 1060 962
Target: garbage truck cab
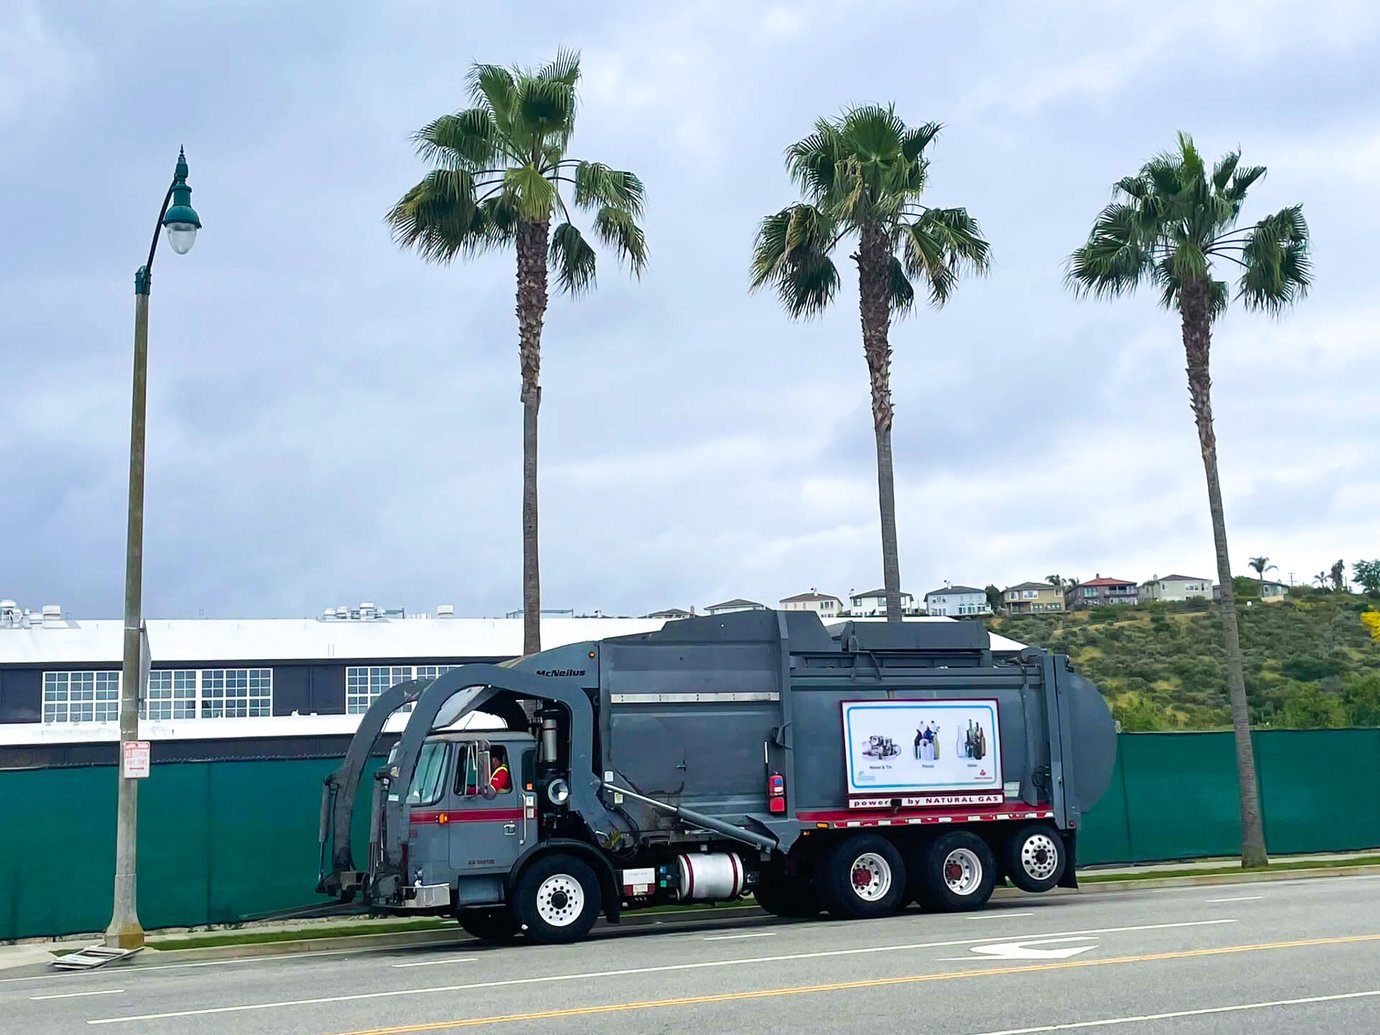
pixel 468 815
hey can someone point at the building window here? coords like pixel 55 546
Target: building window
pixel 171 695
pixel 236 693
pixel 364 683
pixel 81 696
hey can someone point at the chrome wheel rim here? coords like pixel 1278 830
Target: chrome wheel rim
pixel 1039 856
pixel 962 871
pixel 870 876
pixel 560 900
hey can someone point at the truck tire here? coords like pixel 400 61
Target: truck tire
pixel 786 895
pixel 861 877
pixel 1034 857
pixel 557 899
pixel 489 925
pixel 957 873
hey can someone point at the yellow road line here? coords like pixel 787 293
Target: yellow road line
pixel 842 986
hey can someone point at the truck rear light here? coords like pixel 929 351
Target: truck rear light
pixel 776 793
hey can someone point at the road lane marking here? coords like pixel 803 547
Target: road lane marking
pixel 1186 1013
pixel 843 986
pixel 998 916
pixel 587 975
pixel 436 963
pixel 1243 898
pixel 75 995
pixel 733 937
pixel 1028 949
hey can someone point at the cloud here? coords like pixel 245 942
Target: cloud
pixel 332 420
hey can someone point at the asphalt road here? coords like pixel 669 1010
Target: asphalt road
pixel 1279 956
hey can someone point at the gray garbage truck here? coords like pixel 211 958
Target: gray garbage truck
pixel 851 769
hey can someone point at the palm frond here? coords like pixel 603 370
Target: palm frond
pixel 900 291
pixel 532 193
pixel 597 184
pixel 564 69
pixel 464 140
pixel 1241 182
pixel 572 259
pixel 914 141
pixel 440 220
pixel 618 229
pixel 543 112
pixel 1278 269
pixel 493 87
pixel 1221 172
pixel 792 252
pixel 1117 256
pixel 940 245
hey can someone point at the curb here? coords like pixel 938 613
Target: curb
pixel 455 936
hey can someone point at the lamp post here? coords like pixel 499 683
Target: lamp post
pixel 181 223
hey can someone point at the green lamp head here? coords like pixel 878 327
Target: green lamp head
pixel 181 220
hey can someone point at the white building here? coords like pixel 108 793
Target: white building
pixel 957 601
pixel 1176 588
pixel 873 603
pixel 737 604
pixel 825 605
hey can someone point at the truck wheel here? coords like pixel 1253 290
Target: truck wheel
pixel 489 925
pixel 956 873
pixel 1034 857
pixel 861 877
pixel 783 894
pixel 557 899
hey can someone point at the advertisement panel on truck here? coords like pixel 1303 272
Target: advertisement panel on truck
pixel 900 747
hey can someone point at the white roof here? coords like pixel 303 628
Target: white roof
pixel 303 639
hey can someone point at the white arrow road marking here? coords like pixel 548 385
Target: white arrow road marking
pixel 1026 950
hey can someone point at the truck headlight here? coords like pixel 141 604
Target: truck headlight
pixel 558 791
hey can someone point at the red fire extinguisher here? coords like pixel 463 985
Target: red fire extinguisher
pixel 776 793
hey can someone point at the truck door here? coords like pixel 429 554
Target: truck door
pixel 486 825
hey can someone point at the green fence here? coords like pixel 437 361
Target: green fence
pixel 226 841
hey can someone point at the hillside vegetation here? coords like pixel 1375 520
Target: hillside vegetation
pixel 1310 660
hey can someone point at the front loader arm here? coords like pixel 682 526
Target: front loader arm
pixel 342 786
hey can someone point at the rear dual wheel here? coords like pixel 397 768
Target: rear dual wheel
pixel 861 877
pixel 953 873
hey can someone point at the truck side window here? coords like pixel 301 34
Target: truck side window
pixel 500 778
pixel 430 775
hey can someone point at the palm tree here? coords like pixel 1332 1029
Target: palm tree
pixel 862 175
pixel 1261 566
pixel 501 171
pixel 1057 581
pixel 1168 225
pixel 1322 580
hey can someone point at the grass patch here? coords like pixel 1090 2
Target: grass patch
pixel 361 927
pixel 1102 878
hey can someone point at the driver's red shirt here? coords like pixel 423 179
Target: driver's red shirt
pixel 499 780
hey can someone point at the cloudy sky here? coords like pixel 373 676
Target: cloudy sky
pixel 331 420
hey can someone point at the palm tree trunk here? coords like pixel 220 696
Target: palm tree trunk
pixel 531 310
pixel 873 259
pixel 1197 335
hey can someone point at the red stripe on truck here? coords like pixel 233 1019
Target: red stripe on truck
pixel 466 816
pixel 908 817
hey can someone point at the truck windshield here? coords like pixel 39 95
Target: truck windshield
pixel 430 776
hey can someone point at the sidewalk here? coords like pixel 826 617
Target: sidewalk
pixel 1325 859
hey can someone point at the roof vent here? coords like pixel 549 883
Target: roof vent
pixel 342 612
pixel 328 613
pixel 52 614
pixel 445 611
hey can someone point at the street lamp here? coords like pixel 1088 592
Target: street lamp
pixel 182 223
